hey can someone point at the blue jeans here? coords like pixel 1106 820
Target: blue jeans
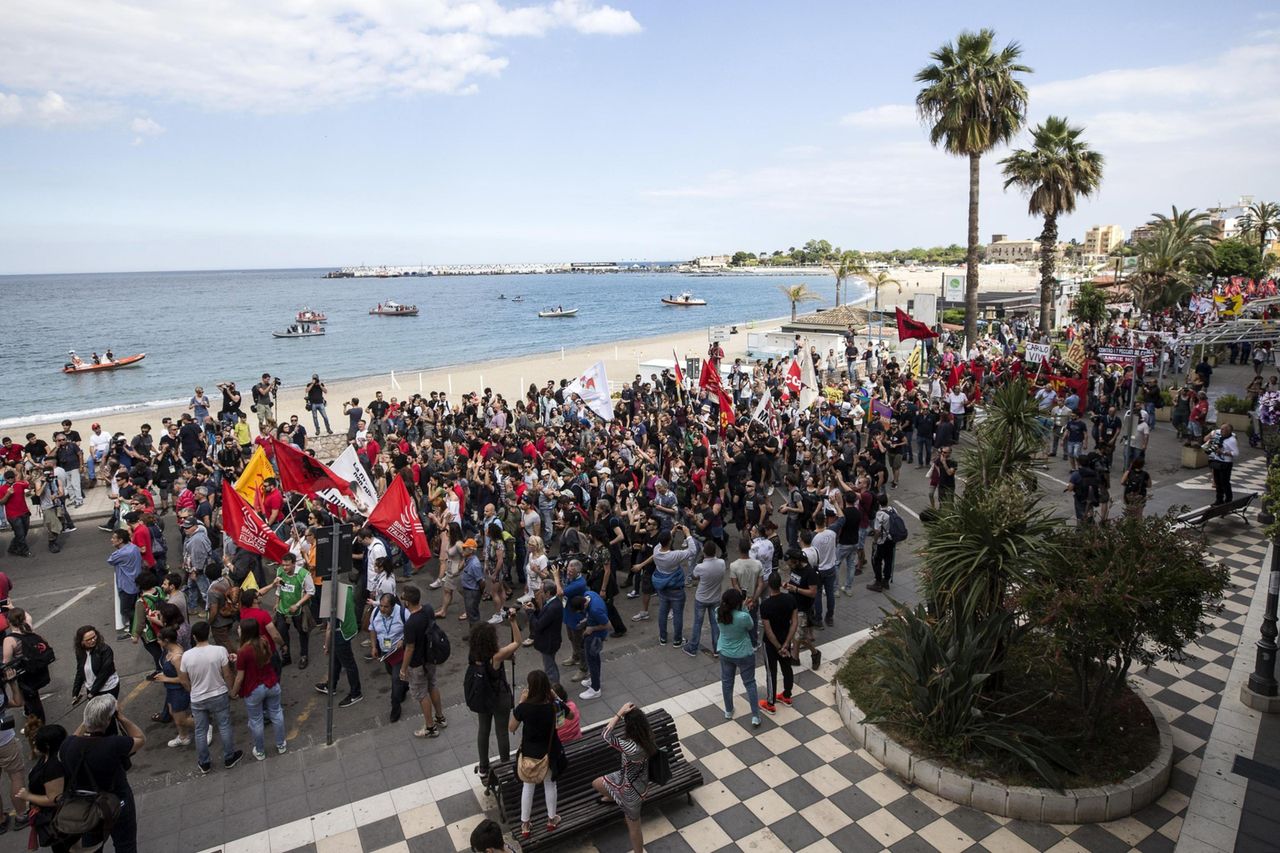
pixel 91 461
pixel 827 584
pixel 265 699
pixel 318 411
pixel 924 450
pixel 671 601
pixel 745 667
pixel 592 647
pixel 695 636
pixel 1151 414
pixel 197 590
pixel 550 667
pixel 847 556
pixel 219 710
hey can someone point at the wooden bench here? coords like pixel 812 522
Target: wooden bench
pixel 578 803
pixel 1200 517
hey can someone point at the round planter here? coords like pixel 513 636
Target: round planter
pixel 1045 805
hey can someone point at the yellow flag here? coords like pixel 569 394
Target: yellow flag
pixel 250 582
pixel 249 486
pixel 1229 306
pixel 914 361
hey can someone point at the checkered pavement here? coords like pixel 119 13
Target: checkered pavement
pixel 798 783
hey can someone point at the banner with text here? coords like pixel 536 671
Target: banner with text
pixel 1036 353
pixel 1126 355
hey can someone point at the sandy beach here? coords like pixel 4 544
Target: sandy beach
pixel 510 376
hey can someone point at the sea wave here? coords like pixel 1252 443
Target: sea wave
pixel 82 414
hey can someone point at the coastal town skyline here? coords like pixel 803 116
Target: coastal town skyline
pixel 488 133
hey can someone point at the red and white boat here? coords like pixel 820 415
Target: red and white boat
pixel 394 309
pixel 78 366
pixel 306 315
pixel 684 300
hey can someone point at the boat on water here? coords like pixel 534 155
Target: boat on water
pixel 558 312
pixel 686 299
pixel 394 309
pixel 300 330
pixel 78 365
pixel 517 299
pixel 306 315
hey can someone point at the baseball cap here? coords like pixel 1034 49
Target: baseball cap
pixel 469 543
pixel 95 425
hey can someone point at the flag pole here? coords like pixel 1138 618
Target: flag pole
pixel 335 540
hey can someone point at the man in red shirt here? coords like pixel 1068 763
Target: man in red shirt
pixel 272 502
pixel 13 495
pixel 10 453
pixel 139 535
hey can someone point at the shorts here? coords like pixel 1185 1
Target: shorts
pixel 862 537
pixel 1075 449
pixel 422 680
pixel 646 582
pixel 11 758
pixel 895 461
pixel 52 522
pixel 451 581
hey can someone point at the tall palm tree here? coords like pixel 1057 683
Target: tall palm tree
pixel 1261 218
pixel 972 101
pixel 1057 168
pixel 842 266
pixel 798 293
pixel 1180 244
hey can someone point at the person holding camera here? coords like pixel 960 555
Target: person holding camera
pixel 102 760
pixel 316 403
pixel 487 692
pixel 264 402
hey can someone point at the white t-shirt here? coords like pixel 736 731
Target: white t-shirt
pixel 957 400
pixel 537 566
pixel 376 549
pixel 89 676
pixel 99 441
pixel 203 665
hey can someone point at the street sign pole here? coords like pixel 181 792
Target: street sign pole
pixel 336 543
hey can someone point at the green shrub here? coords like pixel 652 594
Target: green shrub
pixel 1230 404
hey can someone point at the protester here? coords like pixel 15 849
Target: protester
pixel 45 783
pixel 417 668
pixel 486 689
pixel 541 756
pixel 737 657
pixel 205 672
pixel 257 683
pixel 635 744
pixel 386 639
pixel 100 748
pixel 95 666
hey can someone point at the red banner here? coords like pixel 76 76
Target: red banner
pixel 908 328
pixel 305 474
pixel 247 529
pixel 396 516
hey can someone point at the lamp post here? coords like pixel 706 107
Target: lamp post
pixel 1263 678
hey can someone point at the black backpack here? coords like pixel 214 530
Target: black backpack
pixel 659 767
pixel 437 651
pixel 897 527
pixel 485 694
pixel 36 655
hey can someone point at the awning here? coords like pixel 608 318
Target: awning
pixel 1245 329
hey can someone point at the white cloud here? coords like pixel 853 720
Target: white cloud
pixel 146 127
pixel 270 55
pixel 888 116
pixel 51 109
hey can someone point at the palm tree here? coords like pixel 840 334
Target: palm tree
pixel 1180 244
pixel 1261 218
pixel 843 265
pixel 798 293
pixel 972 101
pixel 1057 168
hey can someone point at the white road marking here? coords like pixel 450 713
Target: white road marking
pixel 1050 476
pixel 49 592
pixel 81 594
pixel 908 510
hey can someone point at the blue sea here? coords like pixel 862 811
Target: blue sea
pixel 209 327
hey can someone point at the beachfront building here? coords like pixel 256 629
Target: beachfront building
pixel 712 262
pixel 1101 239
pixel 1005 251
pixel 1142 232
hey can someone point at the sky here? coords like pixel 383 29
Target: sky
pixel 220 134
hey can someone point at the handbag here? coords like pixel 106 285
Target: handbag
pixel 532 770
pixel 84 811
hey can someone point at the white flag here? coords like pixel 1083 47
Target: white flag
pixel 593 387
pixel 348 467
pixel 808 382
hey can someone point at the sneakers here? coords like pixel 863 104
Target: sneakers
pixel 642 616
pixel 205 767
pixel 875 587
pixel 282 748
pixel 234 759
pixel 766 705
pixel 427 731
pixel 784 699
pixel 755 722
pixel 179 741
pixel 106 528
pixel 442 722
pixel 322 688
pixel 435 584
pixel 831 622
pixel 569 661
pixel 302 662
pixel 693 653
pixel 497 619
pixel 351 699
pixel 259 754
pixel 586 682
pixel 661 642
pixel 589 694
pixel 633 594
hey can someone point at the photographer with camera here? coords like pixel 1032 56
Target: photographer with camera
pixel 264 402
pixel 95 760
pixel 486 689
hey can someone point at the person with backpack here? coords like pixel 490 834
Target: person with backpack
pixel 889 530
pixel 1136 482
pixel 223 598
pixel 146 618
pixel 426 646
pixel 486 689
pixel 24 646
pixel 96 759
pixel 386 641
pixel 634 742
pixel 45 783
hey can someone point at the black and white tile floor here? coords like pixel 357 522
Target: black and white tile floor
pixel 799 784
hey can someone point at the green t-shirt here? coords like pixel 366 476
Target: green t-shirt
pixel 350 623
pixel 291 588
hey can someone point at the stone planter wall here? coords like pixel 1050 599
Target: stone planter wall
pixel 1045 805
pixel 1239 423
pixel 1194 457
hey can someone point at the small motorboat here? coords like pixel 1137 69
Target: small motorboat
pixel 558 312
pixel 300 330
pixel 306 315
pixel 517 299
pixel 394 309
pixel 685 300
pixel 502 296
pixel 77 365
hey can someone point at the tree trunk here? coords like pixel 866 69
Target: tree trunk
pixel 793 310
pixel 971 260
pixel 1048 245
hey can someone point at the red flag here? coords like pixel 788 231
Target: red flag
pixel 908 328
pixel 792 380
pixel 305 474
pixel 727 415
pixel 679 372
pixel 710 377
pixel 247 529
pixel 396 516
